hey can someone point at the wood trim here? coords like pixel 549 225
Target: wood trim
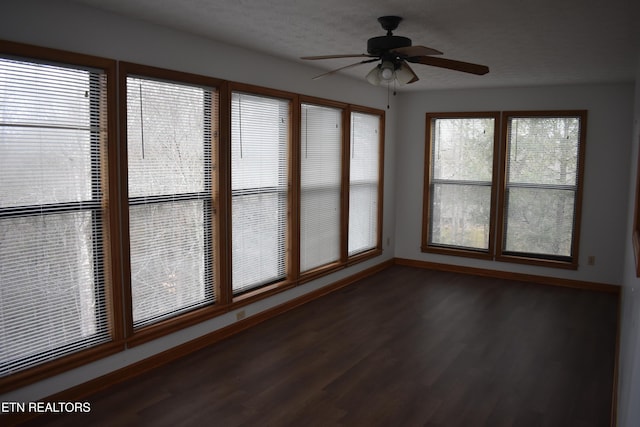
pixel 426 184
pixel 305 99
pixel 322 270
pixel 428 164
pixel 575 245
pixel 542 262
pixel 147 333
pixel 261 292
pixel 262 91
pixel 455 251
pixel 344 189
pixel 130 68
pixel 377 249
pixel 295 187
pixel 127 313
pixel 114 295
pixel 120 295
pixel 381 148
pixel 111 244
pixel 293 218
pixel 224 201
pixel 521 277
pixel 55 55
pixel 616 366
pixel 103 382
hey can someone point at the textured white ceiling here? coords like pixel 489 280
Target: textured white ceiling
pixel 524 43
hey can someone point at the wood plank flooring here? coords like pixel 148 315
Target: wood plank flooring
pixel 406 347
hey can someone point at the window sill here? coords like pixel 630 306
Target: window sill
pixel 520 259
pixel 470 253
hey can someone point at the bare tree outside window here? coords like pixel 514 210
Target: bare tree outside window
pixel 459 180
pixel 541 185
pixel 169 184
pixel 52 299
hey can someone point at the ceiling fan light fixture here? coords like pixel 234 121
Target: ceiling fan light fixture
pixel 404 74
pixel 373 76
pixel 387 71
pixel 382 73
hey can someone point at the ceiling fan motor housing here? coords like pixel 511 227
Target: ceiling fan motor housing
pixel 380 45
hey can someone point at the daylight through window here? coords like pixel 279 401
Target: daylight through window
pixel 364 180
pixel 53 220
pixel 320 183
pixel 259 189
pixel 460 181
pixel 171 216
pixel 542 185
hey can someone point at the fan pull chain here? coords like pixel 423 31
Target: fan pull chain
pixel 388 90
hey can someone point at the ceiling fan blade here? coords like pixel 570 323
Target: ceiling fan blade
pixel 344 68
pixel 465 67
pixel 416 51
pixel 349 55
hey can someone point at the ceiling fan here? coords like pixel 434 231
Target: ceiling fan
pixel 394 54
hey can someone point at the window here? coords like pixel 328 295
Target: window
pixel 365 172
pixel 171 140
pixel 299 194
pixel 260 133
pixel 321 185
pixel 55 267
pixel 534 208
pixel 459 172
pixel 543 165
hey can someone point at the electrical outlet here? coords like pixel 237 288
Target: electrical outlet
pixel 591 260
pixel 240 315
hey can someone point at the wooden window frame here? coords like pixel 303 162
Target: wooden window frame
pixel 501 254
pixel 110 241
pixel 428 169
pixel 377 249
pixel 497 225
pixel 197 315
pixel 116 244
pixel 344 188
pixel 291 245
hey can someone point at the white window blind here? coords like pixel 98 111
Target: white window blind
pixel 321 171
pixel 364 172
pixel 541 185
pixel 53 219
pixel 461 179
pixel 259 185
pixel 171 216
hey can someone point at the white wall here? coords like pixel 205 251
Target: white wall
pixel 69 26
pixel 606 169
pixel 629 363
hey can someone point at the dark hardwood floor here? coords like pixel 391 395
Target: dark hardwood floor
pixel 406 347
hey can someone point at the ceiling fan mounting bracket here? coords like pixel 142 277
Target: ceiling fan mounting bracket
pixel 389 23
